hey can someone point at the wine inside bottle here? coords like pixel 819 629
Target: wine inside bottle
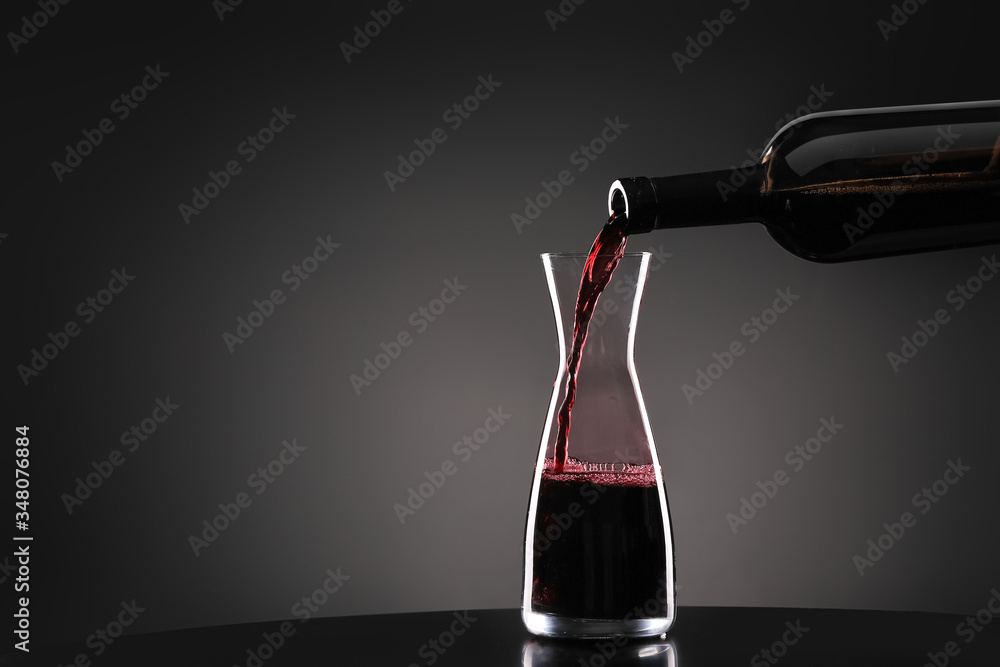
pixel 846 185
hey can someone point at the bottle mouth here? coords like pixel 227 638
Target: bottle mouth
pixel 635 198
pixel 617 201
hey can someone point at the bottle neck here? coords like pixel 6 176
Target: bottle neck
pixel 687 200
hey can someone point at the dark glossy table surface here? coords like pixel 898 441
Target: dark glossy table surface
pixel 701 636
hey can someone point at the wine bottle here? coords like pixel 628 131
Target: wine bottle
pixel 847 185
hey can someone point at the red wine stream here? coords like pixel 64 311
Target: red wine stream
pixel 609 246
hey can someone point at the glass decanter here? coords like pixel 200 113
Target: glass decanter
pixel 598 552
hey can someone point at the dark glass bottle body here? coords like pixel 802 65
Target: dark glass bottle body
pixel 847 185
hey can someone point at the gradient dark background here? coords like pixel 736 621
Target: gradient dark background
pixel 495 346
